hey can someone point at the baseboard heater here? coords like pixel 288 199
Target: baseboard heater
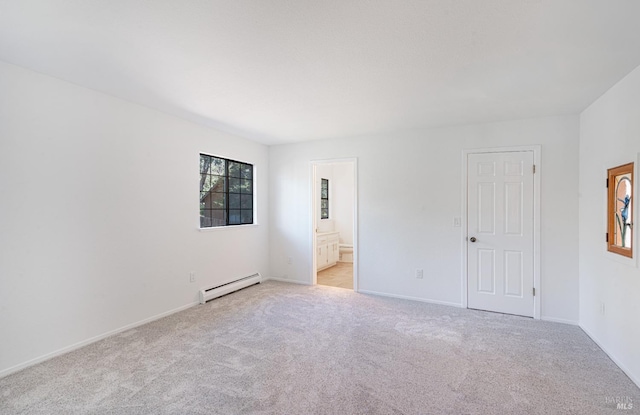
pixel 224 289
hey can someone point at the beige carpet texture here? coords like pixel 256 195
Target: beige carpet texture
pixel 278 348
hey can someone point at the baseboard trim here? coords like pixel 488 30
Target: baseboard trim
pixel 75 346
pixel 406 297
pixel 611 356
pixel 559 320
pixel 286 280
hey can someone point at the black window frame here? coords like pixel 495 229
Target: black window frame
pixel 324 197
pixel 227 191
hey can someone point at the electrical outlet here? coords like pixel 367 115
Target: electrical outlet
pixel 457 222
pixel 420 274
pixel 192 276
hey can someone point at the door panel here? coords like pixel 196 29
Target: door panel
pixel 486 271
pixel 513 208
pixel 500 221
pixel 486 208
pixel 513 273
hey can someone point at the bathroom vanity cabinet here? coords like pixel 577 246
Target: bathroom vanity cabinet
pixel 327 249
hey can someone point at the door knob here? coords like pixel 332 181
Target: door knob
pixel 473 239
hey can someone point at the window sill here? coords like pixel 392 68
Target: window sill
pixel 228 227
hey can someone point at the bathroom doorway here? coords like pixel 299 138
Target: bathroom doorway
pixel 334 213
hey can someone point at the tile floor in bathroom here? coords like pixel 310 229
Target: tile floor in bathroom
pixel 339 275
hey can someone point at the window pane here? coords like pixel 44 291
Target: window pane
pixel 217 166
pixel 247 171
pixel 324 214
pixel 324 204
pixel 235 169
pixel 205 199
pixel 212 184
pixel 246 186
pixel 217 217
pixel 247 216
pixel 215 201
pixel 204 219
pixel 623 210
pixel 205 162
pixel 203 195
pixel 205 183
pixel 217 184
pixel 234 217
pixel 247 202
pixel 234 185
pixel 234 201
pixel 211 218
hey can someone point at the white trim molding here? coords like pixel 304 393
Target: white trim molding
pixel 612 357
pixel 559 320
pixel 286 280
pixel 94 339
pixel 407 297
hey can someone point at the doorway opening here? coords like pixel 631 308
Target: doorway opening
pixel 334 223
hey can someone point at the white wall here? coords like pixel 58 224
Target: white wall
pixel 609 136
pixel 410 191
pixel 99 215
pixel 343 201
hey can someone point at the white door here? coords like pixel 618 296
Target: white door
pixel 500 263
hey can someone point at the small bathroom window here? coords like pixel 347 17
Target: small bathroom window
pixel 324 199
pixel 620 210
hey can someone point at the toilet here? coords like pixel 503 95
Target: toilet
pixel 346 253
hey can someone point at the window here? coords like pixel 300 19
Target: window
pixel 324 199
pixel 620 210
pixel 226 192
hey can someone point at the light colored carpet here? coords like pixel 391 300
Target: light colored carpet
pixel 279 348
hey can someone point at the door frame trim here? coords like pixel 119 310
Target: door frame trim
pixel 536 149
pixel 314 216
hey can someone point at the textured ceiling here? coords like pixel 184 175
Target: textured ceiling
pixel 291 70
